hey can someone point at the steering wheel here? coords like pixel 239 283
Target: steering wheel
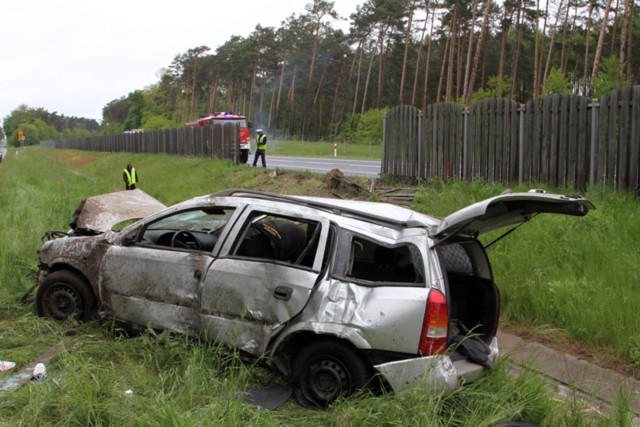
pixel 184 239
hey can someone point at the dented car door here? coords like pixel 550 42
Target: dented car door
pixel 250 291
pixel 155 287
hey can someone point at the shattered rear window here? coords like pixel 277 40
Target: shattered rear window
pixel 374 262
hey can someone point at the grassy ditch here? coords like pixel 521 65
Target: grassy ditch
pixel 176 381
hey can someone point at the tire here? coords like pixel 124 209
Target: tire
pixel 64 295
pixel 244 156
pixel 328 369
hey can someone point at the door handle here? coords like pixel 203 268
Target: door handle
pixel 197 274
pixel 283 293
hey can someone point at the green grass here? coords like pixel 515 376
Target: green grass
pixel 176 381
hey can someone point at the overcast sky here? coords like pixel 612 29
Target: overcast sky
pixel 74 56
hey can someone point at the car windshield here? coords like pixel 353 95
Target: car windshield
pixel 207 220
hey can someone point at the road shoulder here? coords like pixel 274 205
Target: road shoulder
pixel 571 373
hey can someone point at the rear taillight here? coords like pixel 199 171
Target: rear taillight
pixel 433 339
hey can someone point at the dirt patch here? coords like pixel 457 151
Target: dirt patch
pixel 75 159
pixel 332 185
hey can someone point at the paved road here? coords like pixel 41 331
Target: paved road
pixel 352 167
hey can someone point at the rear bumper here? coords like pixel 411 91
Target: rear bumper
pixel 439 371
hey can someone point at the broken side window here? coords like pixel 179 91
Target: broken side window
pixel 374 262
pixel 279 238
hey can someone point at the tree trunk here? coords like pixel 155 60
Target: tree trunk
pixel 292 97
pixel 564 55
pixel 536 52
pixel 213 93
pixel 355 95
pixel 276 113
pixel 452 46
pixel 335 127
pixel 516 51
pixel 272 106
pixel 425 89
pixel 585 76
pixel 626 27
pixel 252 90
pixel 598 54
pixel 551 42
pixel 614 27
pixel 443 67
pixel 405 60
pixel 503 44
pixel 459 68
pixel 316 99
pixel 476 59
pixel 467 68
pixel 366 83
pixel 380 68
pixel 307 115
pixel 417 70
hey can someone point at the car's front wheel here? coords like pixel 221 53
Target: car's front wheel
pixel 325 370
pixel 65 295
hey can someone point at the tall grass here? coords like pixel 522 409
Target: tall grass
pixel 175 381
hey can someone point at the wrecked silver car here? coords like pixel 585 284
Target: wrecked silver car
pixel 339 295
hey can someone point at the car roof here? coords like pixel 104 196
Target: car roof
pixel 374 212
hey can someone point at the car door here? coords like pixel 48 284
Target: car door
pixel 154 287
pixel 156 279
pixel 252 290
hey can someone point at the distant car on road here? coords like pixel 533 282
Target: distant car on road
pixel 340 295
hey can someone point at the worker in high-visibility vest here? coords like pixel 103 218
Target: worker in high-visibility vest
pixel 261 143
pixel 130 177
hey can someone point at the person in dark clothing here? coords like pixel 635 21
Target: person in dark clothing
pixel 130 177
pixel 261 142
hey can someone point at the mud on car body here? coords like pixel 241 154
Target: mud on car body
pixel 340 295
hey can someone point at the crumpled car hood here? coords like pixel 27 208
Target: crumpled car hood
pixel 100 213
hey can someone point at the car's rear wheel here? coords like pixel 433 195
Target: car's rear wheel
pixel 65 295
pixel 325 370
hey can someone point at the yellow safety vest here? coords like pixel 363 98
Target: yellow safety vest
pixel 259 140
pixel 131 177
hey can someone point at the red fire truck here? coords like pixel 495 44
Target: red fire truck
pixel 227 117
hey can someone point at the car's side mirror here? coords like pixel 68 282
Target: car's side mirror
pixel 129 240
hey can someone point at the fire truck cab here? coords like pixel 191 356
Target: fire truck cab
pixel 228 117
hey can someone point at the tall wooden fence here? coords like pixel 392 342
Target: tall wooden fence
pixel 562 140
pixel 217 141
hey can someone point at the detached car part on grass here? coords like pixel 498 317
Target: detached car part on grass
pixel 340 295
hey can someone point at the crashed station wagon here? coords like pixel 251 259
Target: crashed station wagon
pixel 337 295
